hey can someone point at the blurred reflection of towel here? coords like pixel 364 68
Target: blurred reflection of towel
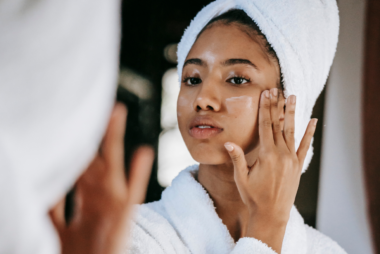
pixel 58 70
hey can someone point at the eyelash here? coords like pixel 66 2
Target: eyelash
pixel 239 77
pixel 187 78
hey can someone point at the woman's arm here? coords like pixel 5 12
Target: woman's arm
pixel 269 187
pixel 104 196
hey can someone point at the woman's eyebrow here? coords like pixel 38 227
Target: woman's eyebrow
pixel 239 61
pixel 195 61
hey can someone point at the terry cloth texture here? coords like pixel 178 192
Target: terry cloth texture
pixel 304 34
pixel 58 77
pixel 184 221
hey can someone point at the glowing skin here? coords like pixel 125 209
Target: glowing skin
pixel 233 106
pixel 252 179
pixel 226 92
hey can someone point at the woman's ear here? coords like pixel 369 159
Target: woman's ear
pixel 281 108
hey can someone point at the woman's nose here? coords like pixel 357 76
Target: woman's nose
pixel 207 98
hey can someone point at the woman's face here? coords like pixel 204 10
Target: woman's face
pixel 222 80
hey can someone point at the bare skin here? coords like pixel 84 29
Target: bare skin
pixel 104 196
pixel 248 165
pixel 231 116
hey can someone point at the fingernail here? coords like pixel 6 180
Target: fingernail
pixel 274 92
pixel 229 147
pixel 293 99
pixel 315 120
pixel 266 93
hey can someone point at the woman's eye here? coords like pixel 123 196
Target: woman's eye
pixel 238 80
pixel 192 81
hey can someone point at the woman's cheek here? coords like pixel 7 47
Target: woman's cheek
pixel 239 105
pixel 184 112
pixel 242 111
pixel 183 107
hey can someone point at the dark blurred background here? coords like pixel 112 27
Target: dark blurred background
pixel 149 30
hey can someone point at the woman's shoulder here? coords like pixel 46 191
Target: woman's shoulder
pixel 151 232
pixel 318 243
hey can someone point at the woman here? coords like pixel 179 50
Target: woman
pixel 250 143
pixel 237 62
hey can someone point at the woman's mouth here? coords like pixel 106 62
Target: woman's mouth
pixel 204 131
pixel 204 128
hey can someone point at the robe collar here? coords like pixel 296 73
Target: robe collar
pixel 192 212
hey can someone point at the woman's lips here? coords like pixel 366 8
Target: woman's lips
pixel 204 127
pixel 204 133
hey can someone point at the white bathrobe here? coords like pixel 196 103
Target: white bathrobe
pixel 185 221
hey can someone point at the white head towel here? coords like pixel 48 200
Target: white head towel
pixel 304 34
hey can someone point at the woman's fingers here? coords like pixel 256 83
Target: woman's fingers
pixel 57 216
pixel 276 126
pixel 306 140
pixel 105 175
pixel 238 159
pixel 113 144
pixel 289 122
pixel 265 122
pixel 140 169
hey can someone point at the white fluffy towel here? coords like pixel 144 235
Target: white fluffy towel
pixel 304 34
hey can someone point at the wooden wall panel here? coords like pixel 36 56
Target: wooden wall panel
pixel 371 117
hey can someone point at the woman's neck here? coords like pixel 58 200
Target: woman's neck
pixel 219 182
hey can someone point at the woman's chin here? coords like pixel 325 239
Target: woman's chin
pixel 216 157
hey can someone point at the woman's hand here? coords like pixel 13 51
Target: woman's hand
pixel 269 186
pixel 104 197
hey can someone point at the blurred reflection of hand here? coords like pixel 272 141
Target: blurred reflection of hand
pixel 104 196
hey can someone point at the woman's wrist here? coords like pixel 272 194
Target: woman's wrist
pixel 270 216
pixel 268 229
